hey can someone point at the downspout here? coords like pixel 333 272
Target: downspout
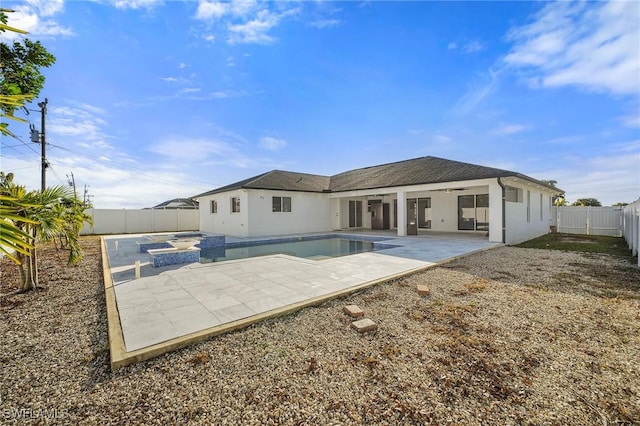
pixel 504 209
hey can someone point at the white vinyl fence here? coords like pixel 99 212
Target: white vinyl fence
pixel 588 220
pixel 128 221
pixel 631 227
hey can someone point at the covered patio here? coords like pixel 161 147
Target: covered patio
pixel 471 208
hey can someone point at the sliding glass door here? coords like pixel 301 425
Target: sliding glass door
pixel 355 214
pixel 473 212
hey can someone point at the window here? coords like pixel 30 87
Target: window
pixel 281 204
pixel 214 206
pixel 541 216
pixel 528 206
pixel 512 194
pixel 235 205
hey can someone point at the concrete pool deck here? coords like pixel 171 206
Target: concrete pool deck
pixel 172 307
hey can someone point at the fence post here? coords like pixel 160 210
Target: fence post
pixel 588 217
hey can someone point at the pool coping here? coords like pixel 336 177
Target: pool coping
pixel 377 243
pixel 119 357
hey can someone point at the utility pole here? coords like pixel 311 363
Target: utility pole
pixel 43 142
pixel 86 198
pixel 72 182
pixel 41 139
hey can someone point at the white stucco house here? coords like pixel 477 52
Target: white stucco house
pixel 418 195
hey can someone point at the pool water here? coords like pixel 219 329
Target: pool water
pixel 310 249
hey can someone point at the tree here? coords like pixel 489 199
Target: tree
pixel 12 239
pixel 620 204
pixel 41 216
pixel 20 77
pixel 584 202
pixel 560 201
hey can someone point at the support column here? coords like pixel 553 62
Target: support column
pixel 495 213
pixel 402 214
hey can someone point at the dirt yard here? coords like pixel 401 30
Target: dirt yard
pixel 507 336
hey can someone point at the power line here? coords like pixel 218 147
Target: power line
pixel 22 153
pixel 13 146
pixel 56 175
pixel 25 144
pixel 142 169
pixel 22 168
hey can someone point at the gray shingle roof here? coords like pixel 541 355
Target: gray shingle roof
pixel 178 203
pixel 413 172
pixel 416 171
pixel 279 180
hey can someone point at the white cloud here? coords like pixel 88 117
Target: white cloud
pixel 182 65
pixel 195 94
pixel 35 17
pixel 223 149
pixel 272 144
pixel 254 31
pixel 78 137
pixel 183 149
pixel 243 21
pixel 509 129
pixel 441 139
pixel 137 4
pixel 85 123
pixel 47 7
pixel 471 46
pixel 610 177
pixel 590 45
pixel 562 140
pixel 484 85
pixel 325 23
pixel 211 9
pixel 243 7
pixel 189 90
pixel 631 120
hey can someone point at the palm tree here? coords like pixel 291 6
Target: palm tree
pixel 43 216
pixel 12 239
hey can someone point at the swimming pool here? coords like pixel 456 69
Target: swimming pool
pixel 317 248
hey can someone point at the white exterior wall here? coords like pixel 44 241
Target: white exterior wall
pixel 336 214
pixel 316 212
pixel 310 212
pixel 495 212
pixel 224 221
pixel 518 228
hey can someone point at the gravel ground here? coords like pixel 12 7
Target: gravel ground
pixel 507 336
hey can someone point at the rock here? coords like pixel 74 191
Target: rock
pixel 364 325
pixel 423 290
pixel 353 311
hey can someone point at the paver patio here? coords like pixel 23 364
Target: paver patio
pixel 171 302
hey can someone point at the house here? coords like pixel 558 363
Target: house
pixel 178 203
pixel 427 193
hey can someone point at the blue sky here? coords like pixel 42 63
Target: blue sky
pixel 151 100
